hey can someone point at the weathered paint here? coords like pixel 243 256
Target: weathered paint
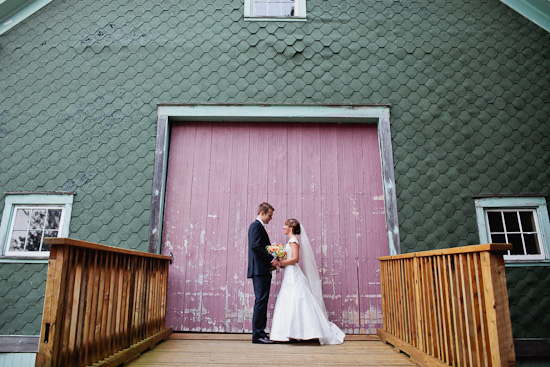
pixel 17 359
pixel 326 175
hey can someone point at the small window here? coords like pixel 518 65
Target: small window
pixel 275 9
pixel 523 222
pixel 29 218
pixel 30 224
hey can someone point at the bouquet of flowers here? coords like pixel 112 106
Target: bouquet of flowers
pixel 277 250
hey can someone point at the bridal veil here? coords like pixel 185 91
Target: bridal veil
pixel 309 266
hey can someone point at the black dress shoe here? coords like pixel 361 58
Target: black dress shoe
pixel 262 341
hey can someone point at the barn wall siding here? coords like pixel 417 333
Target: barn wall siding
pixel 468 83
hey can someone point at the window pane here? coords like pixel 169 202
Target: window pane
pixel 515 239
pixel 498 238
pixel 511 220
pixel 37 219
pixel 273 8
pixel 527 221
pixel 45 246
pixel 22 219
pixel 532 244
pixel 54 216
pixel 260 10
pixel 287 10
pixel 33 241
pixel 495 222
pixel 17 242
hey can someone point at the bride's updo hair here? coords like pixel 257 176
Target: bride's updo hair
pixel 294 225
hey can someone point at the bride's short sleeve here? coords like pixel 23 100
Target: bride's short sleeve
pixel 294 240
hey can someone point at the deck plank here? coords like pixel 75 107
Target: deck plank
pixel 237 350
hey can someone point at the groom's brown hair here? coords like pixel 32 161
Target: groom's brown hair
pixel 264 208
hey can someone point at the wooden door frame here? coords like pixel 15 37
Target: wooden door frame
pixel 364 114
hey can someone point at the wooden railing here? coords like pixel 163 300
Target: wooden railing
pixel 448 307
pixel 102 304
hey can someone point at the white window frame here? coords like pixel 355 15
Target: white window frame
pixel 300 12
pixel 13 201
pixel 540 209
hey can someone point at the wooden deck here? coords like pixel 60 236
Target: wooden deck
pixel 237 350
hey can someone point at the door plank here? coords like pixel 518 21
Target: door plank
pixel 197 229
pixel 215 224
pixel 237 231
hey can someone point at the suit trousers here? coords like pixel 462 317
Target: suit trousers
pixel 262 285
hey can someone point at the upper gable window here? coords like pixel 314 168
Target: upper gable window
pixel 275 9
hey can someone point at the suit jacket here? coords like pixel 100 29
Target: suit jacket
pixel 259 260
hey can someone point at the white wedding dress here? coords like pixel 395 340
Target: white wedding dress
pixel 297 314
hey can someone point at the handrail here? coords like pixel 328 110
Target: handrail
pixel 448 307
pixel 102 304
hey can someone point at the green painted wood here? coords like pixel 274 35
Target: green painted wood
pixel 537 11
pixel 17 359
pixel 12 12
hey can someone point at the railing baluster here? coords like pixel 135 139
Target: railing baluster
pixel 453 281
pixel 447 312
pixel 438 289
pixel 474 304
pixel 418 303
pixel 481 311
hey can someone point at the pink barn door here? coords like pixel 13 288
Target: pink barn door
pixel 328 176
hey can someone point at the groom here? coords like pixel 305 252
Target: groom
pixel 259 263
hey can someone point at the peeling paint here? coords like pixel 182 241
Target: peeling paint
pixel 350 317
pixel 355 212
pixel 371 296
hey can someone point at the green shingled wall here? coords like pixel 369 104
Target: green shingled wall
pixel 468 83
pixel 529 290
pixel 22 288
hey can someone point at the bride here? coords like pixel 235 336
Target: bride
pixel 300 311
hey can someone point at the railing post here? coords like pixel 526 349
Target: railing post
pixel 53 308
pixel 498 310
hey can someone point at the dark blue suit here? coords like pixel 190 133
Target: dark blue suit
pixel 259 262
